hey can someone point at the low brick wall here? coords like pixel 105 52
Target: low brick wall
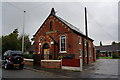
pixel 51 64
pixel 28 62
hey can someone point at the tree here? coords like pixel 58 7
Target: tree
pixel 14 42
pixel 10 42
pixel 27 42
pixel 113 43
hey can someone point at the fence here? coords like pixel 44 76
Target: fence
pixel 72 64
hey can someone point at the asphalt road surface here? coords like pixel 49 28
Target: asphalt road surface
pixel 27 73
pixel 102 68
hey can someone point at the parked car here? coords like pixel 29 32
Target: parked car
pixel 12 59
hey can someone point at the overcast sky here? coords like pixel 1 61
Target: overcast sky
pixel 102 17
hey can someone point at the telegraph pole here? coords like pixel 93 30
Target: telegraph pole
pixel 86 35
pixel 23 32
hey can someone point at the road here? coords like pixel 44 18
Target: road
pixel 27 73
pixel 102 68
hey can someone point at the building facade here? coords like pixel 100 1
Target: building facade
pixel 108 50
pixel 58 38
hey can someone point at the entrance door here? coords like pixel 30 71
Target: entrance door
pixel 46 54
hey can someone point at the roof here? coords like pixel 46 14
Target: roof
pixel 115 47
pixel 70 25
pixel 66 23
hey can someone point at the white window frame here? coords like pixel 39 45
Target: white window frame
pixel 90 53
pixel 39 48
pixel 85 53
pixel 85 42
pixel 79 40
pixel 65 45
pixel 89 44
pixel 80 53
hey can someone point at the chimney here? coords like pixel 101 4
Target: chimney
pixel 52 11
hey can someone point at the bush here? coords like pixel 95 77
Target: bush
pixel 115 56
pixel 60 57
pixel 27 55
pixel 66 57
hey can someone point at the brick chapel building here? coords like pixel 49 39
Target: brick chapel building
pixel 56 37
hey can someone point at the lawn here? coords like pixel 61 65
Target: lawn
pixel 105 58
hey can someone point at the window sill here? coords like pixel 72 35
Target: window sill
pixel 63 52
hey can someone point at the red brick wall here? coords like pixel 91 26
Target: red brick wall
pixel 51 64
pixel 72 44
pixel 29 63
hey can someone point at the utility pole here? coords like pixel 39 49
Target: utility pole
pixel 86 35
pixel 23 32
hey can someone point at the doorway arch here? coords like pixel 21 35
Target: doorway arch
pixel 46 46
pixel 46 51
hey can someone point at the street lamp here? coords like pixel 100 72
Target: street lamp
pixel 23 32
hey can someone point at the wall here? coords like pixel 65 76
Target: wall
pixel 55 64
pixel 28 62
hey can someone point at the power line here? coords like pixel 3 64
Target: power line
pixel 98 24
pixel 38 6
pixel 15 6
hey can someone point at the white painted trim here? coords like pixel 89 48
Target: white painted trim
pixel 39 43
pixel 51 42
pixel 80 53
pixel 28 59
pixel 39 48
pixel 71 68
pixel 65 44
pixel 51 60
pixel 63 52
pixel 81 65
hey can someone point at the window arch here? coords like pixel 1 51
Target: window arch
pixel 51 25
pixel 62 43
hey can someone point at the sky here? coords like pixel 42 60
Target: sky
pixel 102 17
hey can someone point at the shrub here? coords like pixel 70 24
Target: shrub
pixel 60 57
pixel 115 56
pixel 27 55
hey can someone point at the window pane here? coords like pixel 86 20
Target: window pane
pixel 63 39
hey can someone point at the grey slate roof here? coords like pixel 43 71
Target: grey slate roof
pixel 70 25
pixel 108 48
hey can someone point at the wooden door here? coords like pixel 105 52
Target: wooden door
pixel 46 54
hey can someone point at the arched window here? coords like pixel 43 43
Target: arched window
pixel 62 43
pixel 50 25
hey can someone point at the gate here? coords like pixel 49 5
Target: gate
pixel 37 60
